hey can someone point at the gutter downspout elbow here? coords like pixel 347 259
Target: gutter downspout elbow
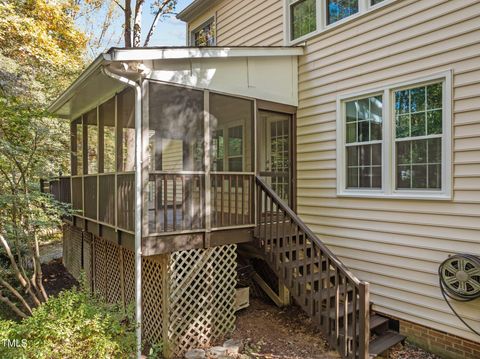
pixel 138 201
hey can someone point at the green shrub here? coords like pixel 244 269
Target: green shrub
pixel 71 325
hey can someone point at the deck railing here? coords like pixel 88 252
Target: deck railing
pixel 332 296
pixel 58 187
pixel 232 199
pixel 106 198
pixel 176 202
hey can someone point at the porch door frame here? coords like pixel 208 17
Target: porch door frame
pixel 263 105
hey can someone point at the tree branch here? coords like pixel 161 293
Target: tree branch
pixel 19 276
pixel 155 20
pixel 121 7
pixel 16 294
pixel 38 267
pixel 12 306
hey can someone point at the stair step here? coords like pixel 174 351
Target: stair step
pixel 375 322
pixel 384 342
pixel 315 277
pixel 341 311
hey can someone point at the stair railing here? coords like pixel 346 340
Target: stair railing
pixel 320 283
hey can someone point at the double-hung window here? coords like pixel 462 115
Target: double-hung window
pixel 363 145
pixel 395 141
pixel 308 17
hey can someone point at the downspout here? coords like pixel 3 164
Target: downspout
pixel 138 201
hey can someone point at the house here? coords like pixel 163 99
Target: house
pixel 339 136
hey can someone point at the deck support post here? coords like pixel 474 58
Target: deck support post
pixel 283 293
pixel 364 334
pixel 208 181
pixel 138 201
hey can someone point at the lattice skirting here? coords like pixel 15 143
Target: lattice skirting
pixel 72 250
pixel 188 296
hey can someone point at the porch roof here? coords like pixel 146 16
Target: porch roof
pixel 93 87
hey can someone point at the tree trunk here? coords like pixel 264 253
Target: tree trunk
pixel 128 23
pixel 24 282
pixel 38 268
pixel 137 26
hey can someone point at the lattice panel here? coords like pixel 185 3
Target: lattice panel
pixel 196 287
pixel 100 267
pixel 112 258
pixel 87 259
pixel 153 292
pixel 201 296
pixel 75 252
pixel 129 275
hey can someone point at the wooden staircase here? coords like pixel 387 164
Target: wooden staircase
pixel 320 284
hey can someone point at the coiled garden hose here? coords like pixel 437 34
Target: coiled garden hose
pixel 459 278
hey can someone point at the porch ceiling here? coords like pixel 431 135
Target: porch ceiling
pixel 268 73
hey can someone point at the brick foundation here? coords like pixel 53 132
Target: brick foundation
pixel 444 345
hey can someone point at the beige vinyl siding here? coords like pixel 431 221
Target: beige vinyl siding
pixel 246 22
pixel 395 244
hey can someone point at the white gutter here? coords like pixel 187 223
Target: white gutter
pixel 138 202
pixel 175 53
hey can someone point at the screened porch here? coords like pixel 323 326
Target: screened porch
pixel 202 151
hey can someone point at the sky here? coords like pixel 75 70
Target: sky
pixel 169 31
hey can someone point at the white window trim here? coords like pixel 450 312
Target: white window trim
pixel 388 189
pixel 364 7
pixel 191 35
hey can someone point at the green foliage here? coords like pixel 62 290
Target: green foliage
pixel 41 51
pixel 72 325
pixel 41 36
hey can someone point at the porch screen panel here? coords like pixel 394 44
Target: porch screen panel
pixel 176 128
pixel 106 199
pixel 231 131
pixel 90 121
pixel 90 196
pixel 126 131
pixel 176 123
pixel 77 195
pixel 106 121
pixel 77 147
pixel 231 124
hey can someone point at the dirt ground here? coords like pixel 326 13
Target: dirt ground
pixel 266 331
pixel 56 278
pixel 269 332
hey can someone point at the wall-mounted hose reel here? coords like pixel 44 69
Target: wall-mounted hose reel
pixel 459 277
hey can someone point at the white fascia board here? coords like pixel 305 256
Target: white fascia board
pixel 149 54
pixel 195 52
